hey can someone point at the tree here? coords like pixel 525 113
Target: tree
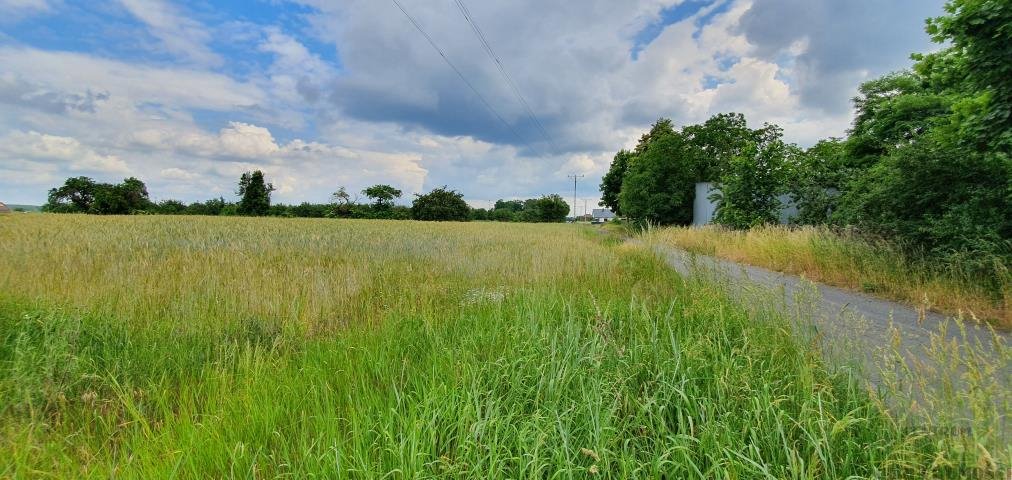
pixel 341 204
pixel 383 195
pixel 84 195
pixel 171 207
pixel 75 196
pixel 715 142
pixel 821 174
pixel 661 128
pixel 550 209
pixel 611 183
pixel 514 206
pixel 254 193
pixel 441 204
pixel 503 215
pixel 659 185
pixel 214 206
pixel 752 182
pixel 980 30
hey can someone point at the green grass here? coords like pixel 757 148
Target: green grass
pixel 204 347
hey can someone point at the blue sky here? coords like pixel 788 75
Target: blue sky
pixel 321 94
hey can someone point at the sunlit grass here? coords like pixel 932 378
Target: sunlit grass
pixel 877 268
pixel 145 347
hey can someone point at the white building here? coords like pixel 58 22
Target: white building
pixel 602 215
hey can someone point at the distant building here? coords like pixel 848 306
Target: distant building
pixel 4 208
pixel 602 215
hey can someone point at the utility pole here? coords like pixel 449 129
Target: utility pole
pixel 575 178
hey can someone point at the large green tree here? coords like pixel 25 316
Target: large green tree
pixel 84 195
pixel 659 185
pixel 550 209
pixel 383 196
pixel 981 31
pixel 715 142
pixel 611 183
pixel 254 193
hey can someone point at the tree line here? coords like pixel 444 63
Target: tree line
pixel 927 161
pixel 85 195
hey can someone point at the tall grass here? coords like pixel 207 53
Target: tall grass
pixel 221 347
pixel 874 267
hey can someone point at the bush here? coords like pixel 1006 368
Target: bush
pixel 440 204
pixel 936 196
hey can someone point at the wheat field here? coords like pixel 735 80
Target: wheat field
pixel 192 347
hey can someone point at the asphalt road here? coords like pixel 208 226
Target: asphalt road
pixel 873 335
pixel 833 306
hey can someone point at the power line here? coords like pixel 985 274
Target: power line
pixel 505 74
pixel 462 77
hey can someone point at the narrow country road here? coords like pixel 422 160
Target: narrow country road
pixel 870 333
pixel 831 304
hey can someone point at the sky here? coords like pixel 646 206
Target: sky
pixel 319 94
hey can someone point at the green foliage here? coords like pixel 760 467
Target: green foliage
pixel 716 142
pixel 214 206
pixel 515 206
pixel 981 31
pixel 935 196
pixel 504 215
pixel 927 162
pixel 383 196
pixel 890 111
pixel 549 209
pixel 480 214
pixel 441 204
pixel 753 180
pixel 255 194
pixel 819 175
pixel 84 195
pixel 341 204
pixel 170 207
pixel 611 183
pixel 659 185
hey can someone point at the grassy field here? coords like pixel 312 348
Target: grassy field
pixel 875 268
pixel 161 347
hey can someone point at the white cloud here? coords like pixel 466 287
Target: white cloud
pixel 174 173
pixel 178 34
pixel 65 151
pixel 173 87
